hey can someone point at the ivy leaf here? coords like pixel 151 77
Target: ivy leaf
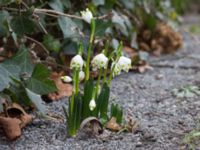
pixel 101 27
pixel 6 2
pixel 120 23
pixel 68 27
pixel 22 60
pixel 39 82
pixel 1 108
pixel 14 67
pixel 36 100
pixel 56 5
pixel 98 2
pixel 6 71
pixel 3 20
pixel 51 43
pixel 22 24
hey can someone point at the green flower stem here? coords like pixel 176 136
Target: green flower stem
pixel 76 81
pixel 87 72
pixel 98 81
pixel 119 53
pixel 104 75
pixel 111 75
pixel 73 92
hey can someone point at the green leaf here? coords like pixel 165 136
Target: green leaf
pixel 116 112
pixel 14 67
pixel 36 100
pixel 1 108
pixel 101 27
pixel 41 87
pixel 40 72
pixel 3 23
pixel 77 110
pixel 39 82
pixel 22 60
pixel 68 27
pixel 56 5
pixel 70 48
pixel 51 43
pixel 150 21
pixel 88 90
pixel 22 24
pixel 98 2
pixel 6 71
pixel 66 3
pixel 102 101
pixel 6 2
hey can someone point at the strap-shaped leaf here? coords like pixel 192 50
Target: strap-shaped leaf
pixel 88 90
pixel 102 101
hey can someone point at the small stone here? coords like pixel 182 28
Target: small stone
pixel 159 76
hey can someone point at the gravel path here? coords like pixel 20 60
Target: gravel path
pixel 163 118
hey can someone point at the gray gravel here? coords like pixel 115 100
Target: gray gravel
pixel 163 118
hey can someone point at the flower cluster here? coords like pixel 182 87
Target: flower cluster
pixel 93 100
pixel 99 61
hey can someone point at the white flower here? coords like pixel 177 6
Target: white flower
pixel 77 62
pixel 92 105
pixel 124 63
pixel 66 79
pixel 99 61
pixel 81 75
pixel 117 69
pixel 87 15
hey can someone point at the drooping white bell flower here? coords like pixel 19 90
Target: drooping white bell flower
pixel 117 69
pixel 87 15
pixel 99 61
pixel 76 62
pixel 92 105
pixel 81 75
pixel 66 79
pixel 124 63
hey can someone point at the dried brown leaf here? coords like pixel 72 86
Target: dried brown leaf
pixel 113 125
pixel 64 89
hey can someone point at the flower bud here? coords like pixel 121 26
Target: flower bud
pixel 77 62
pixel 81 75
pixel 92 105
pixel 87 15
pixel 66 79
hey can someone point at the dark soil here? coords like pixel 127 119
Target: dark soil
pixel 164 119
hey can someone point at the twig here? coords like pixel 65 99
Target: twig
pixel 37 42
pixel 54 13
pixel 42 27
pixel 49 11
